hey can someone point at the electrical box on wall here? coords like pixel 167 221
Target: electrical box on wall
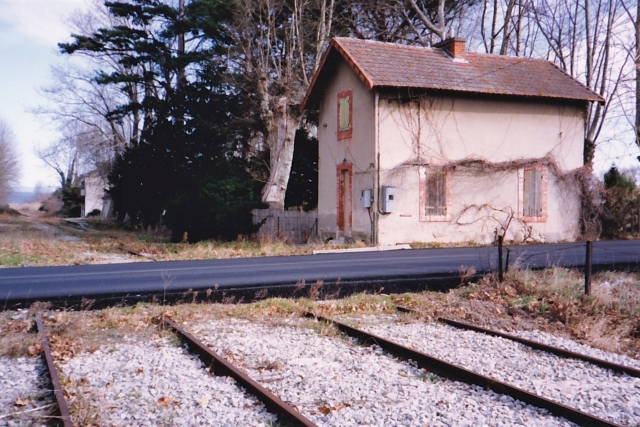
pixel 365 198
pixel 388 199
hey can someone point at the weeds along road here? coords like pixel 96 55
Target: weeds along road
pixel 254 278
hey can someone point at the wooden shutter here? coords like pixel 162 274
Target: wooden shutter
pixel 344 113
pixel 532 196
pixel 436 180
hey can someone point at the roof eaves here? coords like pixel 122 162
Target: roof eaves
pixel 335 44
pixel 323 60
pixel 486 93
pixel 355 66
pixel 598 98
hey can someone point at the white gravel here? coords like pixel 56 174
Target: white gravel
pixel 21 392
pixel 334 382
pixel 156 384
pixel 598 391
pixel 566 344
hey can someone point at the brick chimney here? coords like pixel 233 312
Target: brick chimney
pixel 454 46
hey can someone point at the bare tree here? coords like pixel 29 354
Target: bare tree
pixel 380 20
pixel 79 150
pixel 280 44
pixel 76 94
pixel 581 38
pixel 82 109
pixel 637 64
pixel 437 25
pixel 9 171
pixel 76 97
pixel 634 52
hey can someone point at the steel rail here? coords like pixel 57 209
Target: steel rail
pixel 536 345
pixel 220 367
pixel 58 392
pixel 457 373
pixel 545 347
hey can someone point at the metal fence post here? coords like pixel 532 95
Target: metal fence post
pixel 500 270
pixel 587 269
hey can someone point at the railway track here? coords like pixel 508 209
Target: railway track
pixel 318 371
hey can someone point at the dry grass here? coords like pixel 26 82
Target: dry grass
pixel 38 242
pixel 551 300
pixel 72 333
pixel 41 241
pixel 18 336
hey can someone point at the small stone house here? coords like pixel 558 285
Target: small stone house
pixel 444 145
pixel 92 192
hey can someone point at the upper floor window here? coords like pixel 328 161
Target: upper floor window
pixel 345 114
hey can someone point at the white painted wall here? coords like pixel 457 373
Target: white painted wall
pixel 446 130
pixel 442 130
pixel 94 186
pixel 358 150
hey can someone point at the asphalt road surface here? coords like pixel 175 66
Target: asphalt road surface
pixel 247 279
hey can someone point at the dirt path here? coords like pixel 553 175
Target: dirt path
pixel 39 241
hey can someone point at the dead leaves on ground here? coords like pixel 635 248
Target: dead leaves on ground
pixel 329 407
pixel 164 401
pixel 22 402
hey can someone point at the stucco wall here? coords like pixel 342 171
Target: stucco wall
pixel 445 131
pixel 357 150
pixel 94 187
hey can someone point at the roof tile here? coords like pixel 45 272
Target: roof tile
pixel 392 65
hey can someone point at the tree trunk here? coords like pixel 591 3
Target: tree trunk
pixel 637 58
pixel 285 120
pixel 589 152
pixel 506 32
pixel 494 22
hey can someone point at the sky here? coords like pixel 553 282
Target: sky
pixel 29 33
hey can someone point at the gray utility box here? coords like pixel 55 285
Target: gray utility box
pixel 365 198
pixel 388 199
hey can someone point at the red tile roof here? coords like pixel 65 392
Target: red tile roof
pixel 390 65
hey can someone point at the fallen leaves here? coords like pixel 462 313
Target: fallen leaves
pixel 35 349
pixel 22 402
pixel 328 407
pixel 164 401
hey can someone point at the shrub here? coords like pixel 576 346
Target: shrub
pixel 621 205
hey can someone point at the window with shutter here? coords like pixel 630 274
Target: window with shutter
pixel 345 114
pixel 436 191
pixel 533 194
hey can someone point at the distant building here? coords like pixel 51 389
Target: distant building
pixel 443 145
pixel 93 192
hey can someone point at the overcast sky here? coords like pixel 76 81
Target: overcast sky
pixel 29 33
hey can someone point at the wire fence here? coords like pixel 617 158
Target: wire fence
pixel 290 226
pixel 587 256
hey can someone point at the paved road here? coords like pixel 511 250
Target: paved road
pixel 247 278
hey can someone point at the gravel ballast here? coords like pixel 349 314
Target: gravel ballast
pixel 22 393
pixel 335 382
pixel 158 384
pixel 591 389
pixel 566 344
